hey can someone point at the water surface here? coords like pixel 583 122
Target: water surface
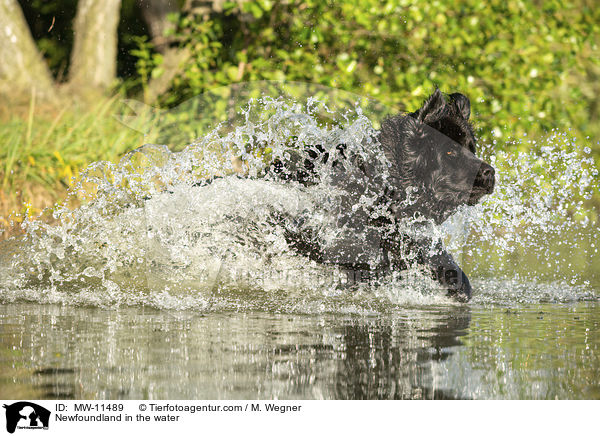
pixel 540 351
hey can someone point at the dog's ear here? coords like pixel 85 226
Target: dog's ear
pixel 391 137
pixel 462 103
pixel 396 135
pixel 432 107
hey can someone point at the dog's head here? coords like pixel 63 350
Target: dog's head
pixel 433 150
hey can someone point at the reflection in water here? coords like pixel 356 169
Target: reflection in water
pixel 139 353
pixel 394 360
pixel 526 352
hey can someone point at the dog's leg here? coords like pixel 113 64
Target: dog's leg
pixel 447 272
pixel 441 264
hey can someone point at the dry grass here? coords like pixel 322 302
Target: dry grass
pixel 43 146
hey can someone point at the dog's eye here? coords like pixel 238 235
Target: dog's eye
pixel 451 153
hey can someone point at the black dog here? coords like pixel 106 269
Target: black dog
pixel 431 170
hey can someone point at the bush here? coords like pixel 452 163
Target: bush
pixel 528 66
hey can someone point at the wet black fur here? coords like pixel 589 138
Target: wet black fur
pixel 432 152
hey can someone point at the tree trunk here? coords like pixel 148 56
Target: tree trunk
pixel 94 55
pixel 22 68
pixel 173 59
pixel 155 13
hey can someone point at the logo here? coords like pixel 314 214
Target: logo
pixel 26 415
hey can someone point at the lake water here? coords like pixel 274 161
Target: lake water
pixel 539 351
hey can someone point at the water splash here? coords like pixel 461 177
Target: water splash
pixel 538 226
pixel 202 229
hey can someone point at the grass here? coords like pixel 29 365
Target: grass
pixel 44 146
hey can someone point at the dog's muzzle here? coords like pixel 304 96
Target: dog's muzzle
pixel 483 184
pixel 486 178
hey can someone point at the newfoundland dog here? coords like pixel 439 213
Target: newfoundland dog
pixel 430 170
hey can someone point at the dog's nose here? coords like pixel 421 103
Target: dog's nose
pixel 488 177
pixel 488 171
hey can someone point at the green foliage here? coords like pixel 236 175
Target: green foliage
pixel 528 66
pixel 147 63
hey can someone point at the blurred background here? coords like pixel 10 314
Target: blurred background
pixel 531 69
